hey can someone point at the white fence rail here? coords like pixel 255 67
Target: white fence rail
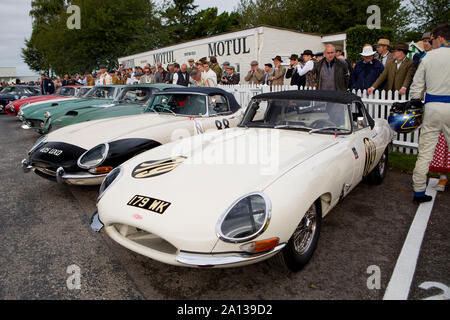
pixel 378 104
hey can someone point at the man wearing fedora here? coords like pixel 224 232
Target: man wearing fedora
pixel 268 73
pixel 397 74
pixel 383 47
pixel 278 73
pixel 306 68
pixel 367 70
pixel 291 73
pixel 433 75
pixel 255 75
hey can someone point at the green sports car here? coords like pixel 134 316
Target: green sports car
pixel 34 115
pixel 130 101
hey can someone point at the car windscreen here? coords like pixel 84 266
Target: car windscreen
pixel 298 115
pixel 140 95
pixel 82 91
pixel 100 93
pixel 179 103
pixel 66 91
pixel 8 90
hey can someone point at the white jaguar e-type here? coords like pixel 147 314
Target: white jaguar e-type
pixel 238 196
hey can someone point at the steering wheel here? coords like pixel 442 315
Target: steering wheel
pixel 322 123
pixel 160 106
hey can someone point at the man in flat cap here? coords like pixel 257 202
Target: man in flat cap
pixel 255 75
pixel 398 74
pixel 426 46
pixel 383 47
pixel 191 66
pixel 268 73
pixel 231 77
pixel 279 71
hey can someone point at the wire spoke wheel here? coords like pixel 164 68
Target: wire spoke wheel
pixel 304 234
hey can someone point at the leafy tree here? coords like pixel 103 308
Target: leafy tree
pixel 428 14
pixel 360 35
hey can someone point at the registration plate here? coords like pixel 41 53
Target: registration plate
pixel 151 204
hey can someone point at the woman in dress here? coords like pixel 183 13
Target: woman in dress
pixel 441 162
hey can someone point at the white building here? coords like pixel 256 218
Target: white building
pixel 7 74
pixel 240 48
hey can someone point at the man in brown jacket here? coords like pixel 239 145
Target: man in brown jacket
pixel 255 75
pixel 279 71
pixel 398 73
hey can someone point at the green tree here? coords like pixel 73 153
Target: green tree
pixel 428 14
pixel 178 18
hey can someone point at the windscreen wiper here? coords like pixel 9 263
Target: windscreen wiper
pixel 287 126
pixel 327 128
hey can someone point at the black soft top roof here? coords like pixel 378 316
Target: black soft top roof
pixel 210 91
pixel 317 95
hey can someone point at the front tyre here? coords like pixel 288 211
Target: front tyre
pixel 300 247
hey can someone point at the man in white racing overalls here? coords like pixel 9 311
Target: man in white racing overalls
pixel 433 75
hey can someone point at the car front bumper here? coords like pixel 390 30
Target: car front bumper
pixel 76 178
pixel 180 257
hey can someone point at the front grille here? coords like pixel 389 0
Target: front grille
pixel 34 123
pixel 145 239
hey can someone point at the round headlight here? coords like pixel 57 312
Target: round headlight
pixel 47 115
pixel 94 157
pixel 38 144
pixel 247 218
pixel 108 181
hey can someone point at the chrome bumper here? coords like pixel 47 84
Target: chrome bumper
pixel 78 178
pixel 26 127
pixel 222 260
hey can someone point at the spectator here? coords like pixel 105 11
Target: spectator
pixel 105 78
pixel 169 75
pixel 305 69
pixel 366 70
pixel 191 65
pixel 209 76
pixel 181 77
pixel 383 47
pixel 66 80
pixel 318 56
pixel 47 85
pixel 215 67
pixel 268 73
pixel 147 77
pixel 255 75
pixel 397 74
pixel 89 79
pixel 161 74
pixel 279 72
pixel 292 73
pixel 331 73
pixel 196 77
pixel 231 77
pixel 426 46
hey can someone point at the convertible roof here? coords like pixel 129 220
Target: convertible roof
pixel 319 95
pixel 210 91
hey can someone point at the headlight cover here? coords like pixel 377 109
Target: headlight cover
pixel 109 180
pixel 245 219
pixel 93 157
pixel 38 144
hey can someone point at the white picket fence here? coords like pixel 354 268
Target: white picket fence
pixel 378 104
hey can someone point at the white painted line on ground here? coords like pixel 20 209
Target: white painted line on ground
pixel 401 279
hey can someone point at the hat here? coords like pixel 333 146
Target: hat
pixel 254 63
pixel 293 57
pixel 307 52
pixel 269 65
pixel 102 66
pixel 367 51
pixel 426 35
pixel 277 58
pixel 318 54
pixel 231 68
pixel 153 67
pixel 111 71
pixel 226 63
pixel 384 42
pixel 402 47
pixel 191 60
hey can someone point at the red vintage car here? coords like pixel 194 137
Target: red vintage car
pixel 66 92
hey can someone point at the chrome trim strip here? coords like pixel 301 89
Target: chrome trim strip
pixel 216 259
pixel 259 232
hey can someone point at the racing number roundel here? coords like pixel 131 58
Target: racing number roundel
pixel 371 152
pixel 155 168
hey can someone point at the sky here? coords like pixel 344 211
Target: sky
pixel 15 26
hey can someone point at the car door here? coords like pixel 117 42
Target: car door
pixel 363 142
pixel 219 115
